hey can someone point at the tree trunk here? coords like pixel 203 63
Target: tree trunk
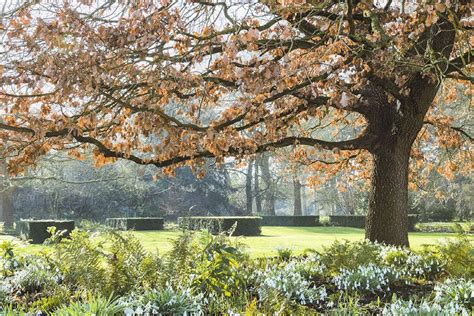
pixel 297 197
pixel 269 185
pixel 7 207
pixel 258 197
pixel 387 218
pixel 248 187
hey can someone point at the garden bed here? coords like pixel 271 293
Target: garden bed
pixel 245 225
pixel 136 223
pixel 301 221
pixel 36 231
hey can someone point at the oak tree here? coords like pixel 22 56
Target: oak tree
pixel 173 82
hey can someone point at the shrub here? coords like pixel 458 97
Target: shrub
pixel 216 271
pixel 136 223
pixel 457 255
pixel 244 225
pixel 36 231
pixel 439 214
pixel 130 266
pixel 357 221
pixel 349 255
pixel 301 221
pixel 93 305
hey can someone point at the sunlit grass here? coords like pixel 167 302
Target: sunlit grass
pixel 296 238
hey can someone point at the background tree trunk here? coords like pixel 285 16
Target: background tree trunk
pixel 269 185
pixel 258 197
pixel 248 187
pixel 297 196
pixel 387 218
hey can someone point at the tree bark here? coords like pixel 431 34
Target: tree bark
pixel 248 188
pixel 297 197
pixel 269 185
pixel 258 197
pixel 387 218
pixel 7 207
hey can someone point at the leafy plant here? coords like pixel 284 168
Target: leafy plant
pixel 93 305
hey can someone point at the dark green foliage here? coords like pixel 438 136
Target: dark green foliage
pixel 136 223
pixel 357 221
pixel 244 225
pixel 301 221
pixel 36 231
pixel 439 214
pixel 413 219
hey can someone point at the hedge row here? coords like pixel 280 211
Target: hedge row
pixel 246 225
pixel 302 221
pixel 36 231
pixel 136 223
pixel 358 221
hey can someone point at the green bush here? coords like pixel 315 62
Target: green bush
pixel 93 305
pixel 36 231
pixel 357 221
pixel 136 223
pixel 237 225
pixel 301 221
pixel 439 214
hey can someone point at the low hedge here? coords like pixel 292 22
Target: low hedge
pixel 136 223
pixel 36 231
pixel 358 221
pixel 302 221
pixel 246 225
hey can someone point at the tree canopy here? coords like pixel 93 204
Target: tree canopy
pixel 171 83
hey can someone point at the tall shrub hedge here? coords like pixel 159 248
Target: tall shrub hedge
pixel 136 223
pixel 246 225
pixel 302 221
pixel 36 231
pixel 358 221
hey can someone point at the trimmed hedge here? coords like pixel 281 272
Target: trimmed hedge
pixel 358 221
pixel 136 223
pixel 413 219
pixel 246 225
pixel 36 231
pixel 301 221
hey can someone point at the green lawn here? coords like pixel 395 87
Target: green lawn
pixel 297 238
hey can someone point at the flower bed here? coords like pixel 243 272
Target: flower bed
pixel 212 274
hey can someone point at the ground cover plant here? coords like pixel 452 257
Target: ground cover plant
pixel 204 273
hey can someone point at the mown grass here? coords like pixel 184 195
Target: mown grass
pixel 296 238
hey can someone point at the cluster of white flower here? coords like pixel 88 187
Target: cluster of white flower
pixel 367 278
pixel 411 264
pixel 409 308
pixel 167 301
pixel 290 281
pixel 459 291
